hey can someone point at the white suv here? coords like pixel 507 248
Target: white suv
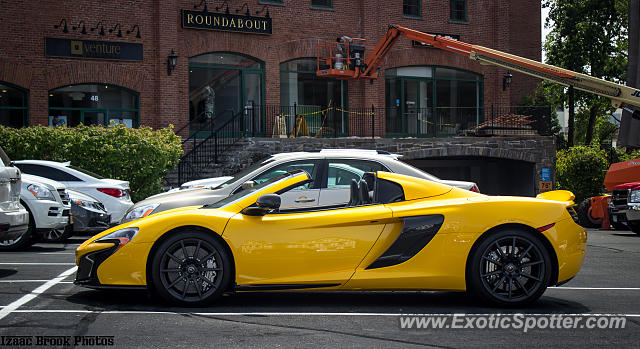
pixel 13 217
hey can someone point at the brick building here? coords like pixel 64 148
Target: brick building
pixel 105 62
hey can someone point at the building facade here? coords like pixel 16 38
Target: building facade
pixel 118 72
pixel 155 63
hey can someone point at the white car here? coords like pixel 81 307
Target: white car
pixel 332 171
pixel 49 209
pixel 206 183
pixel 113 193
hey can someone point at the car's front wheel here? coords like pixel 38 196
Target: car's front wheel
pixel 634 226
pixel 509 267
pixel 191 268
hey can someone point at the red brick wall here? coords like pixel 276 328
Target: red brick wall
pixel 512 26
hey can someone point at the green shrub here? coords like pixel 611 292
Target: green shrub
pixel 141 156
pixel 581 169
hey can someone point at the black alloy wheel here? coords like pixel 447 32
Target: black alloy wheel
pixel 191 268
pixel 510 268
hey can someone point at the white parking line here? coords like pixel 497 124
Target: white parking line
pixel 151 312
pixel 23 263
pixel 597 288
pixel 41 289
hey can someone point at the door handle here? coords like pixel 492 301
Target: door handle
pixel 305 199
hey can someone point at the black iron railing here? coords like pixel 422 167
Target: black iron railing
pixel 208 144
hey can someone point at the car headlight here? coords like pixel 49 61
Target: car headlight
pixel 634 196
pixel 40 192
pixel 88 204
pixel 140 212
pixel 123 236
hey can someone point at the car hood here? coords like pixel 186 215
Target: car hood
pixel 194 197
pixel 50 184
pixel 206 182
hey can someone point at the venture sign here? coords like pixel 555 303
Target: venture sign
pixel 226 22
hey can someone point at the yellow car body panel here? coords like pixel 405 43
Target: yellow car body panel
pixel 335 247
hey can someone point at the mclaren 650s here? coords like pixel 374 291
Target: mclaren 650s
pixel 396 233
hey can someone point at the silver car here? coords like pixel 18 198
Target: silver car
pixel 331 169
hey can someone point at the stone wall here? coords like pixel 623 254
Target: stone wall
pixel 535 149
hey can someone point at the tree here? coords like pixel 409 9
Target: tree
pixel 629 135
pixel 589 37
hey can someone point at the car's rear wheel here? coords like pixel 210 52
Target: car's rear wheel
pixel 57 235
pixel 510 267
pixel 585 217
pixel 191 268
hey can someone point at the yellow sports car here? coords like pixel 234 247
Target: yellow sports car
pixel 396 233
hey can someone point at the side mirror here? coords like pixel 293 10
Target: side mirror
pixel 248 185
pixel 269 201
pixel 266 203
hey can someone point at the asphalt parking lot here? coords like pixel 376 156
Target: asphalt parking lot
pixel 39 298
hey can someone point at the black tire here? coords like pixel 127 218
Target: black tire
pixel 503 275
pixel 584 216
pixel 619 226
pixel 58 235
pixel 23 241
pixel 179 274
pixel 634 226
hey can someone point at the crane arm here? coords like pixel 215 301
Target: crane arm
pixel 621 96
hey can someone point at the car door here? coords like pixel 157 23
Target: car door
pixel 303 196
pixel 340 172
pixel 323 246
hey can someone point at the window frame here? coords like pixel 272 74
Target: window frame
pixel 26 119
pixel 451 12
pixel 410 15
pixel 322 7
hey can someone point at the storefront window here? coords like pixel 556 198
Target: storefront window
pixel 13 106
pixel 222 85
pixel 93 104
pixel 432 101
pixel 300 86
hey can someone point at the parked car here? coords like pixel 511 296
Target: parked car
pixel 207 183
pixel 396 232
pixel 49 208
pixel 332 171
pixel 89 216
pixel 113 193
pixel 14 218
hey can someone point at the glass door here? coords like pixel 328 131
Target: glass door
pixel 417 103
pixel 93 117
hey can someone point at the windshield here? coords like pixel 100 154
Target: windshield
pixel 243 173
pixel 85 172
pixel 416 172
pixel 244 193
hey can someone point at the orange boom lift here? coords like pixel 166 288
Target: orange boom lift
pixel 345 59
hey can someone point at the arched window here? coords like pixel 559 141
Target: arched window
pixel 93 104
pixel 300 85
pixel 223 84
pixel 14 105
pixel 432 101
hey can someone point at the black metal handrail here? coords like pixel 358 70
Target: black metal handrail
pixel 207 150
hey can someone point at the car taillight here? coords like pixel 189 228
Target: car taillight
pixel 116 193
pixel 475 189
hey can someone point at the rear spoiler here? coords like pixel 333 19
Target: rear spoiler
pixel 557 195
